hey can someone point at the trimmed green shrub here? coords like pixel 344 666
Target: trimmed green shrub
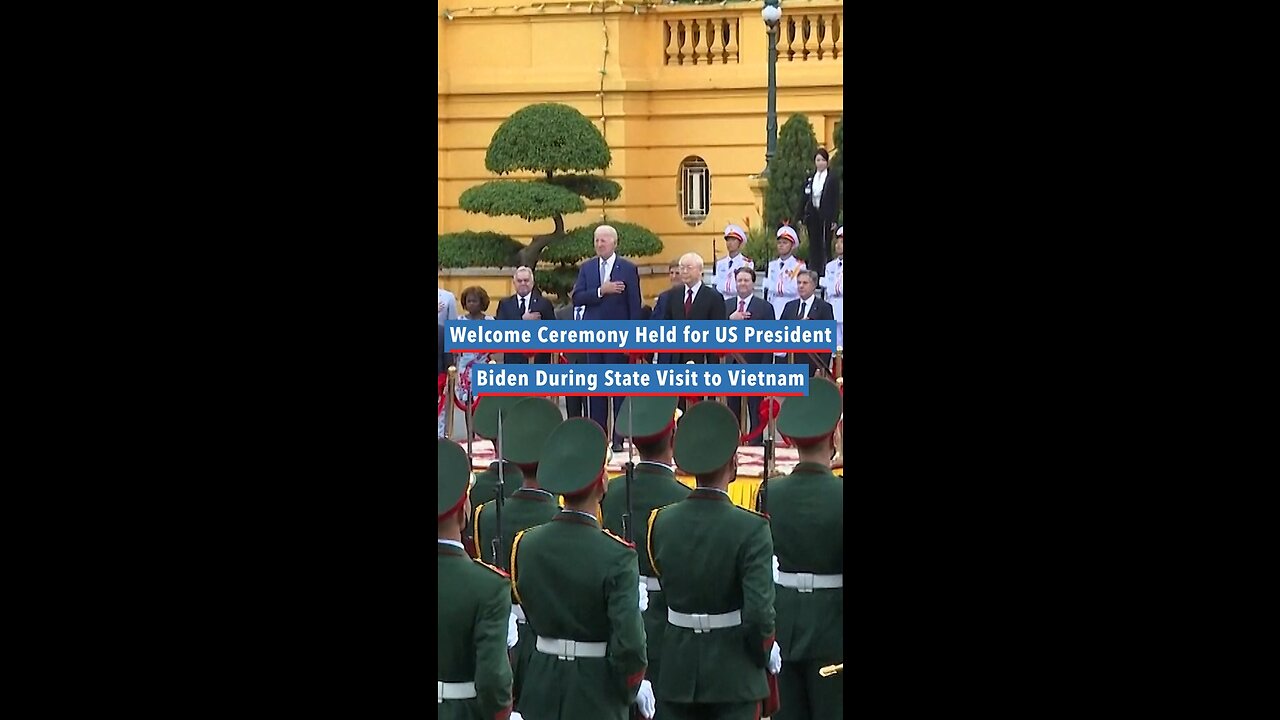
pixel 784 196
pixel 478 249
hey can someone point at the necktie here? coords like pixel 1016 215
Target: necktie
pixel 578 312
pixel 522 308
pixel 688 301
pixel 604 275
pixel 742 305
pixel 804 315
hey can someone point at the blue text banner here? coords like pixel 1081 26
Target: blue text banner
pixel 605 336
pixel 731 380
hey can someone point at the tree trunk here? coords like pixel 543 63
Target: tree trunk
pixel 530 254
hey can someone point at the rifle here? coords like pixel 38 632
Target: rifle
pixel 627 530
pixel 714 270
pixel 762 499
pixel 499 500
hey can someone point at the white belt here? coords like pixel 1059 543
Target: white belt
pixel 570 649
pixel 701 622
pixel 808 582
pixel 651 583
pixel 519 613
pixel 454 691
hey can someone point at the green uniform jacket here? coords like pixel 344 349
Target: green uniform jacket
pixel 578 582
pixel 714 557
pixel 486 489
pixel 806 511
pixel 525 508
pixel 656 486
pixel 472 614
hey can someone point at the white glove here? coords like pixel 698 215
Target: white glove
pixel 775 569
pixel 775 659
pixel 644 596
pixel 516 716
pixel 645 700
pixel 513 635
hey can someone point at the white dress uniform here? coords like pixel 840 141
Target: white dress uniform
pixel 834 284
pixel 726 283
pixel 782 275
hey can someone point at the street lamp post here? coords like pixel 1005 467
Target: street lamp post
pixel 772 14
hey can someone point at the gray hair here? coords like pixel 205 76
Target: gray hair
pixel 813 275
pixel 522 268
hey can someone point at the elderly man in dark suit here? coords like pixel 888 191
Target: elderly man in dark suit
pixel 809 307
pixel 821 207
pixel 693 300
pixel 609 287
pixel 525 304
pixel 746 306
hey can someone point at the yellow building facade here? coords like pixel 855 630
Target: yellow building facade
pixel 679 92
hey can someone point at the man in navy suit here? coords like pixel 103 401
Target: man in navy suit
pixel 525 304
pixel 609 288
pixel 660 305
pixel 809 307
pixel 746 306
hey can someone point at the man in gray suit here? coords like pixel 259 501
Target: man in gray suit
pixel 746 306
pixel 574 405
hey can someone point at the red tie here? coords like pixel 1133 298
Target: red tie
pixel 688 301
pixel 742 305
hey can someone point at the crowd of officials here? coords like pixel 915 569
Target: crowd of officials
pixel 608 288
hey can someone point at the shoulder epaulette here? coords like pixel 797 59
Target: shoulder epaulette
pixel 753 512
pixel 611 534
pixel 494 568
pixel 746 259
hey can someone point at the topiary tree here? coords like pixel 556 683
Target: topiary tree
pixel 547 138
pixel 784 196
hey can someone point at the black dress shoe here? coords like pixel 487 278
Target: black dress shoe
pixel 617 447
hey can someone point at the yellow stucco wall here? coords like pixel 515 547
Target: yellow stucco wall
pixel 654 103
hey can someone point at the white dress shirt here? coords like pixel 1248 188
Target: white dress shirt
pixel 605 272
pixel 819 181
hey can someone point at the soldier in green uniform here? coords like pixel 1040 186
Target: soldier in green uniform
pixel 473 608
pixel 579 587
pixel 485 488
pixel 525 428
pixel 650 423
pixel 806 510
pixel 713 559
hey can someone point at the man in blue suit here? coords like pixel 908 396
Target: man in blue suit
pixel 747 307
pixel 609 288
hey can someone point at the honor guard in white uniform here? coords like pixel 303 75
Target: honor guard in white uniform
pixel 783 271
pixel 734 237
pixel 833 284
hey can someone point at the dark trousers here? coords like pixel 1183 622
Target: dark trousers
pixel 599 405
pixel 806 695
pixel 575 405
pixel 819 243
pixel 709 711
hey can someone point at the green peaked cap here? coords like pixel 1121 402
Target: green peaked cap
pixel 453 477
pixel 575 456
pixel 525 428
pixel 706 439
pixel 486 415
pixel 808 419
pixel 645 416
